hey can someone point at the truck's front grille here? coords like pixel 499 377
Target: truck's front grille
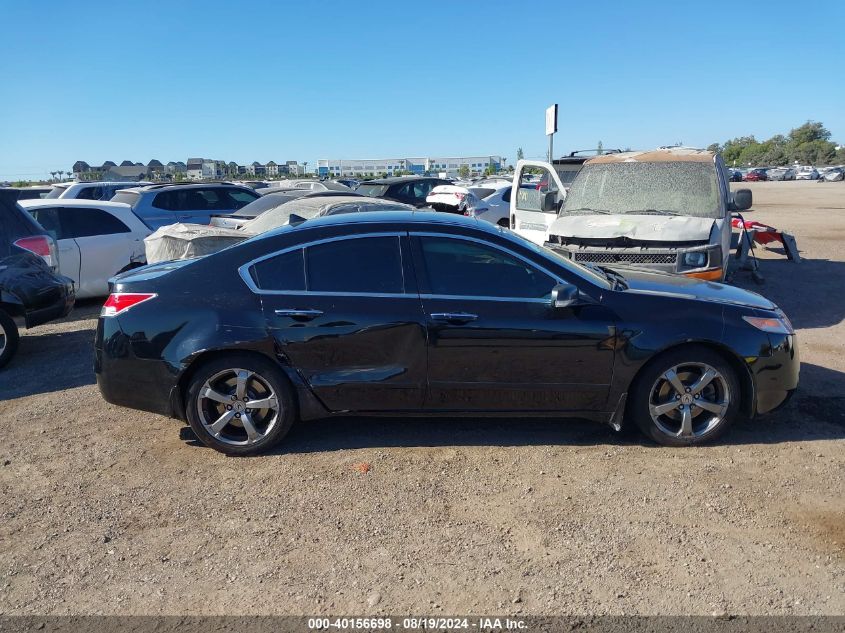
pixel 625 258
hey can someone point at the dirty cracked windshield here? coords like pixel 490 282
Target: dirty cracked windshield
pixel 658 188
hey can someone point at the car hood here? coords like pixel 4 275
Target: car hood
pixel 665 284
pixel 656 228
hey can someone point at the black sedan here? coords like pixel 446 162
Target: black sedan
pixel 425 313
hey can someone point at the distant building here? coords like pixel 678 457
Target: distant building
pixel 336 168
pixel 194 169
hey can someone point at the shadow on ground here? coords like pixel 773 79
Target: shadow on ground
pixel 811 292
pixel 803 419
pixel 49 362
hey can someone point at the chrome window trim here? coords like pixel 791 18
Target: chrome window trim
pixel 485 298
pixel 243 270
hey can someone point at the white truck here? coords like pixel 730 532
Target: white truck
pixel 667 209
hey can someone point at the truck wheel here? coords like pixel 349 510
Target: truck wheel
pixel 8 338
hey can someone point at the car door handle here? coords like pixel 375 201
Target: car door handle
pixel 454 317
pixel 305 314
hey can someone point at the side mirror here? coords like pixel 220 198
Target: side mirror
pixel 564 296
pixel 549 202
pixel 741 200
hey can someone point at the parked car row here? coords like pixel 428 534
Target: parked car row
pixel 796 172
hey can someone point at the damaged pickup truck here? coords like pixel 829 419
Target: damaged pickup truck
pixel 31 290
pixel 667 209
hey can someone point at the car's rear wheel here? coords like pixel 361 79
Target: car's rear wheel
pixel 8 338
pixel 685 397
pixel 240 404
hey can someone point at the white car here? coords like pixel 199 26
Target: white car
pixel 495 204
pixel 806 173
pixel 448 198
pixel 90 190
pixel 96 239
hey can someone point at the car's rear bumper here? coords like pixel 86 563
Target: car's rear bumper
pixel 53 302
pixel 129 381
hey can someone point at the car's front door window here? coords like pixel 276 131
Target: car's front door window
pixel 463 268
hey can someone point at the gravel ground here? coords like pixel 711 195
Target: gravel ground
pixel 108 510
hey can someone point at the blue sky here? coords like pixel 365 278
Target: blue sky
pixel 276 80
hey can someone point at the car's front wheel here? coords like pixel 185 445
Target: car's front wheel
pixel 8 338
pixel 240 404
pixel 685 397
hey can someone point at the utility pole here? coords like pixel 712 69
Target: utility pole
pixel 551 128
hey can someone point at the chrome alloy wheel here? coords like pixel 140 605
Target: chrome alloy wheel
pixel 4 339
pixel 689 400
pixel 238 407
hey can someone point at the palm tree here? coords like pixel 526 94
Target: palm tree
pixel 53 174
pixel 60 172
pixel 305 167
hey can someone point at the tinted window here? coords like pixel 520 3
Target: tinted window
pixel 369 264
pixel 238 199
pixel 459 267
pixel 79 222
pixel 371 190
pixel 90 193
pixel 283 272
pixel 48 218
pixel 506 197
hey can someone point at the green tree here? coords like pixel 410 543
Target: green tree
pixel 520 154
pixel 463 171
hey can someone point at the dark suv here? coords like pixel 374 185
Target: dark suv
pixel 408 189
pixel 160 205
pixel 30 288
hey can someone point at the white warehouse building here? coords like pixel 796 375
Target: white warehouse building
pixel 337 168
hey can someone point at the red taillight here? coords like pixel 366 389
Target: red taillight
pixel 121 301
pixel 460 196
pixel 40 245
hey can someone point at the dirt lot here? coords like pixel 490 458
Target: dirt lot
pixel 106 510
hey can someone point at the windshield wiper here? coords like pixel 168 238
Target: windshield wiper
pixel 611 275
pixel 655 212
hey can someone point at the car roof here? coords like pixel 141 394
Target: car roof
pixel 659 155
pixel 394 179
pixel 177 186
pixel 416 217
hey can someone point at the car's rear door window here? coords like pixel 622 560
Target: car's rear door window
pixel 370 265
pixel 88 222
pixel 282 272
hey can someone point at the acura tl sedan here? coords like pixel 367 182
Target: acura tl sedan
pixel 420 313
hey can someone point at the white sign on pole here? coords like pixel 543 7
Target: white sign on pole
pixel 551 119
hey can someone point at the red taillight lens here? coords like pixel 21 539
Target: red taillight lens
pixel 460 196
pixel 40 245
pixel 119 302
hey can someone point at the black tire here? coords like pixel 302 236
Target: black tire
pixel 8 338
pixel 266 379
pixel 504 223
pixel 670 427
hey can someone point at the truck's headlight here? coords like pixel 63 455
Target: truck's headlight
pixel 694 260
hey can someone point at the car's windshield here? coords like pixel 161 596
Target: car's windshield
pixel 373 190
pixel 56 191
pixel 670 187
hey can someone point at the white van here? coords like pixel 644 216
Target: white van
pixel 666 209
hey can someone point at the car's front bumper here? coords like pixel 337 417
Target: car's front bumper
pixel 776 376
